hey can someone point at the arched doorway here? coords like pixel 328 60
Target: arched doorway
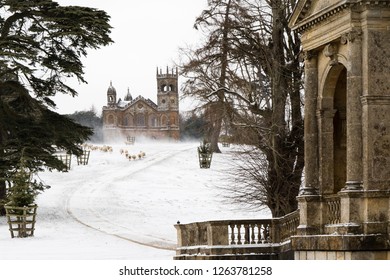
pixel 333 155
pixel 340 132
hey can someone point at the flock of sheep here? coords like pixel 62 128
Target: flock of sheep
pixel 125 152
pixel 103 148
pixel 106 148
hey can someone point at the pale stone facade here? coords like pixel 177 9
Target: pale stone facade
pixel 142 117
pixel 345 205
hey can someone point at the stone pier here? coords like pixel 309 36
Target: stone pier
pixel 345 202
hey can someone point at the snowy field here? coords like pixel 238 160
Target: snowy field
pixel 116 209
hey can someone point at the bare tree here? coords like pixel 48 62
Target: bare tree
pixel 260 96
pixel 272 173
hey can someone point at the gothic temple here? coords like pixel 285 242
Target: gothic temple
pixel 142 117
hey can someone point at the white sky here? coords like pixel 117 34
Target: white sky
pixel 147 35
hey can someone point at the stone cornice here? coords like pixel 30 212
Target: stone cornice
pixel 300 10
pixel 315 19
pixel 300 22
pixel 375 100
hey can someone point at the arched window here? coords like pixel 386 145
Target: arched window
pixel 110 120
pixel 173 120
pixel 171 88
pixel 140 119
pixel 127 120
pixel 130 120
pixel 164 88
pixel 164 120
pixel 153 121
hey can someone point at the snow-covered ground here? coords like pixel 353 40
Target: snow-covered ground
pixel 116 209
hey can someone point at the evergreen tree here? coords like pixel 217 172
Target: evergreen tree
pixel 192 127
pixel 41 44
pixel 207 68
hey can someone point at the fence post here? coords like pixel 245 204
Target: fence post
pixel 275 230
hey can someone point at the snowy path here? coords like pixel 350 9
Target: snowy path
pixel 114 203
pixel 112 208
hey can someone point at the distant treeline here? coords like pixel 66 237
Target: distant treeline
pixel 91 119
pixel 192 126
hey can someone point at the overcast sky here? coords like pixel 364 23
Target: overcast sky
pixel 147 35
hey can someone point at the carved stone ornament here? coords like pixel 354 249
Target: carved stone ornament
pixel 330 51
pixel 350 36
pixel 307 55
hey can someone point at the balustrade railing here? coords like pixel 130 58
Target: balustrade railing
pixel 287 226
pixel 249 232
pixel 249 237
pixel 220 235
pixel 333 209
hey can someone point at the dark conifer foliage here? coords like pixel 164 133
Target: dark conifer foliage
pixel 192 127
pixel 41 44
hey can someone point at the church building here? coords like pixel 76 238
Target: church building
pixel 134 117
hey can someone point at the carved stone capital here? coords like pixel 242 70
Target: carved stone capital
pixel 307 55
pixel 351 36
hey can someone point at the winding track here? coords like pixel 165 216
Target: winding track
pixel 88 202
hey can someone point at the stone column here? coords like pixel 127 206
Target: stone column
pixel 354 111
pixel 326 165
pixel 309 199
pixel 310 125
pixel 351 196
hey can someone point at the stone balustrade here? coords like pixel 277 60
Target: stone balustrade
pixel 268 238
pixel 333 209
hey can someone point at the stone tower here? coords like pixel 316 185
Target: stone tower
pixel 344 205
pixel 168 96
pixel 111 95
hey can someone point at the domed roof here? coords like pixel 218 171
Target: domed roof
pixel 111 89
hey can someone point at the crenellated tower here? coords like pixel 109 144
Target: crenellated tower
pixel 167 89
pixel 168 99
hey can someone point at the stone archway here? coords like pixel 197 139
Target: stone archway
pixel 340 133
pixel 332 126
